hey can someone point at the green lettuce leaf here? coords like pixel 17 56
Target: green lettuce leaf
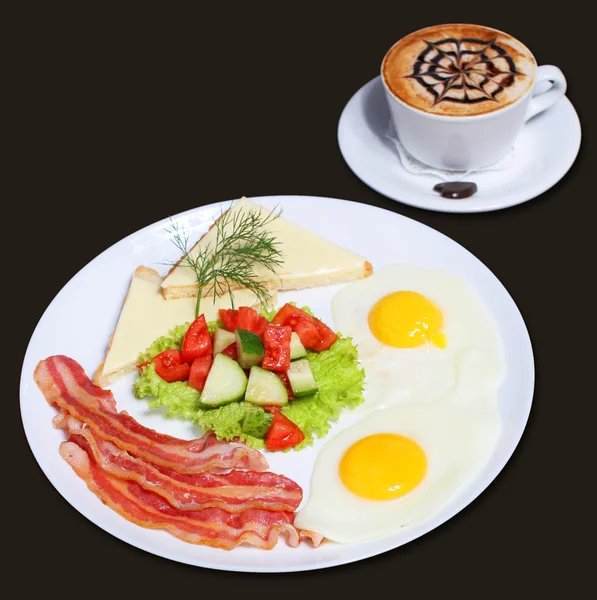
pixel 337 372
pixel 340 386
pixel 182 401
pixel 268 313
pixel 226 421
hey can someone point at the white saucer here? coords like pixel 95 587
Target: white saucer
pixel 543 153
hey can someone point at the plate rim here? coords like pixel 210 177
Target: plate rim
pixel 455 207
pixel 26 381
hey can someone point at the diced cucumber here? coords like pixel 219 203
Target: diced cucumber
pixel 256 422
pixel 297 350
pixel 249 348
pixel 301 378
pixel 265 388
pixel 225 383
pixel 222 339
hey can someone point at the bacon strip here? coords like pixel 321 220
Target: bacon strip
pixel 65 385
pixel 161 482
pixel 211 526
pixel 234 491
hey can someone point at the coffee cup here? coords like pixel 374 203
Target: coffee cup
pixel 460 94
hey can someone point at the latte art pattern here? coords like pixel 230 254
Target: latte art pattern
pixel 458 70
pixel 464 70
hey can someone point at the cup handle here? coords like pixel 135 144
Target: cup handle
pixel 543 100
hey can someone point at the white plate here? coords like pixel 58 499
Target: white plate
pixel 81 318
pixel 544 152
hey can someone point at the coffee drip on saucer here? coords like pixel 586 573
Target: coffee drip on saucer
pixel 456 190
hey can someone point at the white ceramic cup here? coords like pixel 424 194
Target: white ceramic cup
pixel 464 143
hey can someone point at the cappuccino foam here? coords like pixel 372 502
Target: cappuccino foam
pixel 459 70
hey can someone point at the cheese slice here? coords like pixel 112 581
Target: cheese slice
pixel 308 260
pixel 147 315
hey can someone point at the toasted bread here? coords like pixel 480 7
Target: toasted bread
pixel 146 315
pixel 308 259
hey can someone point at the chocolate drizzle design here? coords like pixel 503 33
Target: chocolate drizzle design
pixel 465 70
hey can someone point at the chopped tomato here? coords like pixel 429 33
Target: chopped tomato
pixel 251 320
pixel 143 364
pixel 199 372
pixel 313 333
pixel 276 343
pixel 243 318
pixel 284 377
pixel 197 340
pixel 307 332
pixel 169 366
pixel 283 433
pixel 327 336
pixel 229 318
pixel 231 351
pixel 289 315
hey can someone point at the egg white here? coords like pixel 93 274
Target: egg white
pixel 444 399
pixel 425 373
pixel 458 433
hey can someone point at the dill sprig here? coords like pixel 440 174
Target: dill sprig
pixel 241 243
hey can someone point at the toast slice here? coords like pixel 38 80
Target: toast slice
pixel 308 260
pixel 146 315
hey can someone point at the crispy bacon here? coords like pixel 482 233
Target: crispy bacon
pixel 234 491
pixel 211 526
pixel 161 482
pixel 316 538
pixel 66 386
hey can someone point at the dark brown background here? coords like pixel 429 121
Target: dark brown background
pixel 124 119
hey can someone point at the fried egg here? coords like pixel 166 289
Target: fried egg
pixel 412 325
pixel 399 466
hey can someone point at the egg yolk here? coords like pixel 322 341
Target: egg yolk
pixel 407 319
pixel 383 466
